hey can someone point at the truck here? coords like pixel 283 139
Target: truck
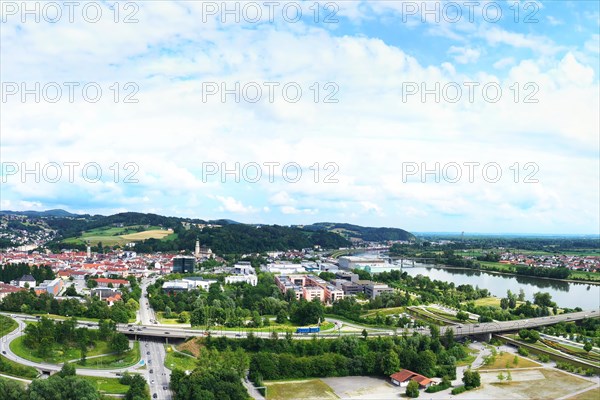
pixel 308 329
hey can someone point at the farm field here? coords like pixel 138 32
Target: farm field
pixel 110 236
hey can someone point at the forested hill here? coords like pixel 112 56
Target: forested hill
pixel 242 238
pixel 229 237
pixel 362 232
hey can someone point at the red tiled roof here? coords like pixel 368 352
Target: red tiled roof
pixel 405 375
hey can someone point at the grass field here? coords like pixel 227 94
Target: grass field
pixel 7 325
pixel 59 354
pixel 107 385
pixel 181 361
pixel 508 358
pixel 488 301
pixel 110 236
pixel 10 367
pixel 305 389
pixel 111 361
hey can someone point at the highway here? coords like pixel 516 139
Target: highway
pixel 157 374
pixel 507 326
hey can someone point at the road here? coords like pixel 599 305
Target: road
pixel 157 375
pixel 7 352
pixel 507 326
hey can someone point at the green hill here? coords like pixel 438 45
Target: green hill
pixel 369 234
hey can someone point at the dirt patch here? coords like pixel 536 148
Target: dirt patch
pixel 550 384
pixel 593 394
pixel 192 346
pixel 363 387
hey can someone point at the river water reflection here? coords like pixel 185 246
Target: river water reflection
pixel 565 294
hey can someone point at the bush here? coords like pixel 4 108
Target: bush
pixel 438 388
pixel 459 390
pixel 412 390
pixel 523 351
pixel 544 357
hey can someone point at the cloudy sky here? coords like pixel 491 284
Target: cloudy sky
pixel 429 117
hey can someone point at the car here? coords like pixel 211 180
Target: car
pixel 238 335
pixel 152 381
pixel 151 371
pixel 166 333
pixel 165 388
pixel 154 396
pixel 477 326
pixel 148 353
pixel 149 361
pixel 3 351
pixel 131 330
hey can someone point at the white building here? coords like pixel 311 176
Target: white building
pixel 249 279
pixel 284 268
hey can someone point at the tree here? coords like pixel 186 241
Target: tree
pixel 500 376
pixel 167 312
pixel 71 291
pixel 587 347
pixel 67 369
pixel 365 334
pixel 534 336
pixel 412 390
pixel 449 337
pixel 119 343
pixel 543 299
pixel 462 316
pixel 471 379
pixel 390 362
pixel 521 296
pixel 11 390
pixel 91 283
pixel 524 334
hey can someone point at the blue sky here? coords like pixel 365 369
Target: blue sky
pixel 361 119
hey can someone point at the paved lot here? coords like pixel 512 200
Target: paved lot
pixel 363 387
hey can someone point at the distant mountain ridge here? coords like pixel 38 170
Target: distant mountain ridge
pixel 230 237
pixel 370 234
pixel 36 214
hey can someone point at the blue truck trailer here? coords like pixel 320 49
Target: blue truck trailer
pixel 308 329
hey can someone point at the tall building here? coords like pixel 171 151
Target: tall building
pixel 89 251
pixel 197 250
pixel 184 264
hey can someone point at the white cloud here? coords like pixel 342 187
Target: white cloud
pixel 232 205
pixel 464 55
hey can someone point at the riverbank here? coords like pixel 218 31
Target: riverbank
pixel 490 271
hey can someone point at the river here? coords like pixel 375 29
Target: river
pixel 565 294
